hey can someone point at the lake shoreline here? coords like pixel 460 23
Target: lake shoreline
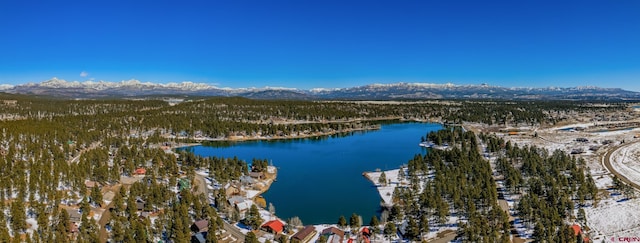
pixel 242 138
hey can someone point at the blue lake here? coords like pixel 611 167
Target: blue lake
pixel 320 179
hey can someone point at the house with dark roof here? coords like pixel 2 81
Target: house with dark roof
pixel 273 226
pixel 305 234
pixel 140 204
pixel 200 226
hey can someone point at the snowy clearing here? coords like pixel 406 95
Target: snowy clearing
pixel 386 191
pixel 614 219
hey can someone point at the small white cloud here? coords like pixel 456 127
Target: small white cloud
pixel 84 74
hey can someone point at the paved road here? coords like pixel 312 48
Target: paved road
pixel 235 232
pixel 606 161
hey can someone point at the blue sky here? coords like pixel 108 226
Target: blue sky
pixel 308 44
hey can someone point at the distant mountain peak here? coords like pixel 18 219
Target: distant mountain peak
pixel 377 91
pixel 56 83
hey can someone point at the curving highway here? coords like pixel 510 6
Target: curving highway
pixel 606 161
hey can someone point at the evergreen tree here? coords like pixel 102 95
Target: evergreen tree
pixel 382 180
pixel 295 222
pixel 374 222
pixel 251 238
pixel 396 213
pixel 253 218
pixel 96 196
pixel 211 232
pixel 64 223
pixel 412 231
pixel 401 174
pixel 322 239
pixel 424 223
pixel 354 222
pixel 18 216
pixel 342 222
pixel 117 231
pixel 4 232
pixel 539 232
pixel 390 230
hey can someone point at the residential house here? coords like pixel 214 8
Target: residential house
pixel 200 226
pixel 403 228
pixel 365 231
pixel 73 228
pixel 140 204
pixel 333 234
pixel 140 171
pixel 91 184
pixel 144 215
pixel 273 226
pixel 199 238
pixel 365 234
pixel 271 169
pixel 74 215
pixel 582 140
pixel 577 232
pixel 257 175
pixel 241 203
pixel 247 180
pixel 235 200
pixel 305 235
pixel 244 206
pixel 184 184
pixel 232 189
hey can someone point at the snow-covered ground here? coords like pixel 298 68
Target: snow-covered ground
pixel 386 191
pixel 33 225
pixel 252 193
pixel 614 218
pixel 626 161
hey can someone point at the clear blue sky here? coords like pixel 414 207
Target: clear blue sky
pixel 307 44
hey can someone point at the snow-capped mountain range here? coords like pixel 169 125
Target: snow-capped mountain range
pixel 134 88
